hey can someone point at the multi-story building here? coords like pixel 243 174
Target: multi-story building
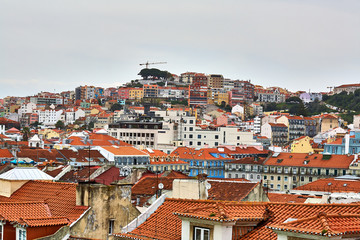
pixel 295 124
pixel 284 171
pixel 150 91
pixel 243 92
pixel 198 90
pixel 269 95
pixel 124 93
pixel 158 135
pixel 173 92
pixel 207 160
pixel 310 126
pixel 249 168
pixel 328 122
pixel 195 136
pixel 136 93
pixel 46 100
pixel 49 116
pixel 187 77
pixel 349 88
pixel 350 144
pixel 228 84
pixel 276 132
pixel 215 81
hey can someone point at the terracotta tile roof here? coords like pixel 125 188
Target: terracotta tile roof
pixel 124 151
pixel 148 185
pixel 60 197
pixel 349 85
pixel 97 140
pixel 204 153
pixel 82 155
pixel 229 190
pixel 278 125
pixel 13 211
pixel 55 172
pixel 332 185
pixel 109 176
pixel 287 198
pixel 306 160
pixel 5 153
pixel 174 174
pixel 38 154
pixel 249 160
pixel 79 174
pixel 163 224
pixel 38 222
pixel 323 225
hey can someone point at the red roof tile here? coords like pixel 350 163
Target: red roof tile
pixel 331 185
pixel 228 190
pixel 306 160
pixel 323 225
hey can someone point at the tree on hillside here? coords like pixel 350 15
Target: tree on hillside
pixel 26 133
pixel 154 73
pixel 115 107
pixel 60 124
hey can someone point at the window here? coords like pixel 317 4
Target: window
pixel 310 179
pixel 1 232
pixel 20 234
pixel 201 233
pixel 111 226
pixel 190 128
pixel 216 136
pixel 229 175
pixel 199 143
pixel 190 136
pixel 272 177
pixel 191 121
pixel 285 178
pixel 265 177
pixel 285 186
pixel 279 178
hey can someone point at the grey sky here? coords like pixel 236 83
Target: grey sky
pixel 297 44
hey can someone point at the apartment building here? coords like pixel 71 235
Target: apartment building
pixel 195 136
pixel 284 171
pixel 215 81
pixel 158 135
pixel 276 132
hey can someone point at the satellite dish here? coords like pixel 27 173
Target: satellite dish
pixel 208 186
pixel 161 186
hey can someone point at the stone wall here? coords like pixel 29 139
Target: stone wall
pixel 107 203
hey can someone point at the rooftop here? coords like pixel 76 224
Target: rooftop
pixel 25 173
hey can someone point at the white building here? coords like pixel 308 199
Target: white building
pixel 194 136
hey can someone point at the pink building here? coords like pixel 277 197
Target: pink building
pixel 123 93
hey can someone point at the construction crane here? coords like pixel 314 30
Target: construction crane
pixel 147 63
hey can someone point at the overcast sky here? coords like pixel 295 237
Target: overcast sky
pixel 297 44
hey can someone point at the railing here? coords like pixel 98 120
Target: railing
pixel 145 215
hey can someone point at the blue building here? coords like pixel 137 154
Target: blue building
pixel 211 161
pixel 350 144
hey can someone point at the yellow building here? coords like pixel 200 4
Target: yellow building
pixel 94 111
pixel 136 93
pixel 302 145
pixel 329 122
pixel 50 133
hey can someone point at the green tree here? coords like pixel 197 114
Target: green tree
pixel 26 133
pixel 115 107
pixel 60 125
pixel 293 100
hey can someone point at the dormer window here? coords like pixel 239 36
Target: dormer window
pixel 201 233
pixel 20 233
